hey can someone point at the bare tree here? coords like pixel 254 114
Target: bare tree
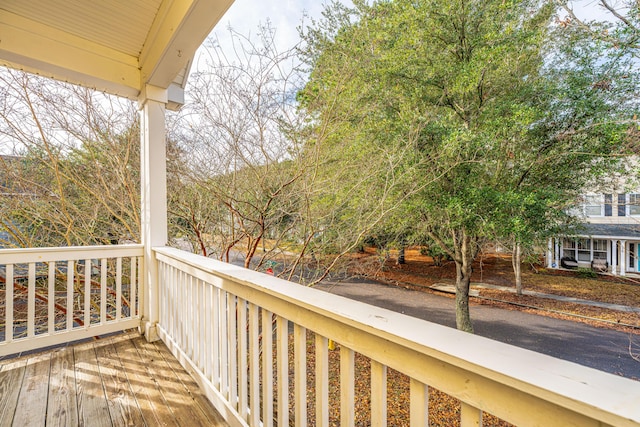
pixel 75 164
pixel 236 148
pixel 69 175
pixel 276 188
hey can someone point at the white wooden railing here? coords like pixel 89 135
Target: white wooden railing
pixel 51 296
pixel 245 337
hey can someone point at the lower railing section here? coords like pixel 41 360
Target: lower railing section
pixel 269 352
pixel 51 296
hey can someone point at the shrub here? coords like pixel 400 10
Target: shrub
pixel 439 256
pixel 586 273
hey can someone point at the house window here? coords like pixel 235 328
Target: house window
pixel 575 210
pixel 599 249
pixel 608 205
pixel 569 248
pixel 594 205
pixel 622 201
pixel 634 204
pixel 584 250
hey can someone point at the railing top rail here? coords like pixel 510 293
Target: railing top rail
pixel 26 255
pixel 596 394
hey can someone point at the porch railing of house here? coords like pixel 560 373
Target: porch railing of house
pixel 248 339
pixel 51 296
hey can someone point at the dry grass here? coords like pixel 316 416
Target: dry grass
pixel 444 410
pixel 419 273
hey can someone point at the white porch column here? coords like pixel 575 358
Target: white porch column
pixel 623 256
pixel 614 255
pixel 153 183
pixel 550 253
pixel 557 255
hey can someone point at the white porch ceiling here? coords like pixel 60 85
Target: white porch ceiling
pixel 117 46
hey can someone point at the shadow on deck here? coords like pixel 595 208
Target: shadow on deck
pixel 120 380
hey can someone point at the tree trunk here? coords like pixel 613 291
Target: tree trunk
pixel 463 252
pixel 251 250
pixel 517 266
pixel 463 282
pixel 199 237
pixel 401 259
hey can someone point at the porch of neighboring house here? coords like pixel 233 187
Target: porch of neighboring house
pixel 118 380
pixel 606 248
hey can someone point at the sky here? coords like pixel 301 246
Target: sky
pixel 285 15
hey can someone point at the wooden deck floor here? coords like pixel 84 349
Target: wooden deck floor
pixel 117 381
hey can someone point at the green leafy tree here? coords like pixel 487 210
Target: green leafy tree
pixel 448 79
pixel 465 91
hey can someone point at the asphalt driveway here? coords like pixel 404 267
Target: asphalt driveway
pixel 599 348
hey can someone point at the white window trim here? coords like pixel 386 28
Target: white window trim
pixel 628 205
pixel 589 250
pixel 605 251
pixel 585 204
pixel 564 249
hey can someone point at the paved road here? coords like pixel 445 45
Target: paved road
pixel 601 349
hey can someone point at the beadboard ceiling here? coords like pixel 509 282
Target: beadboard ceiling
pixel 117 46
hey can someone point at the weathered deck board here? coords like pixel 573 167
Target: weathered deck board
pixel 117 381
pixel 92 403
pixel 11 377
pixel 62 405
pixel 155 409
pixel 191 387
pixel 31 409
pixel 184 408
pixel 120 399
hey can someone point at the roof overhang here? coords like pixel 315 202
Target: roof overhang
pixel 115 46
pixel 607 231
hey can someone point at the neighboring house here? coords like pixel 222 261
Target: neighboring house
pixel 609 238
